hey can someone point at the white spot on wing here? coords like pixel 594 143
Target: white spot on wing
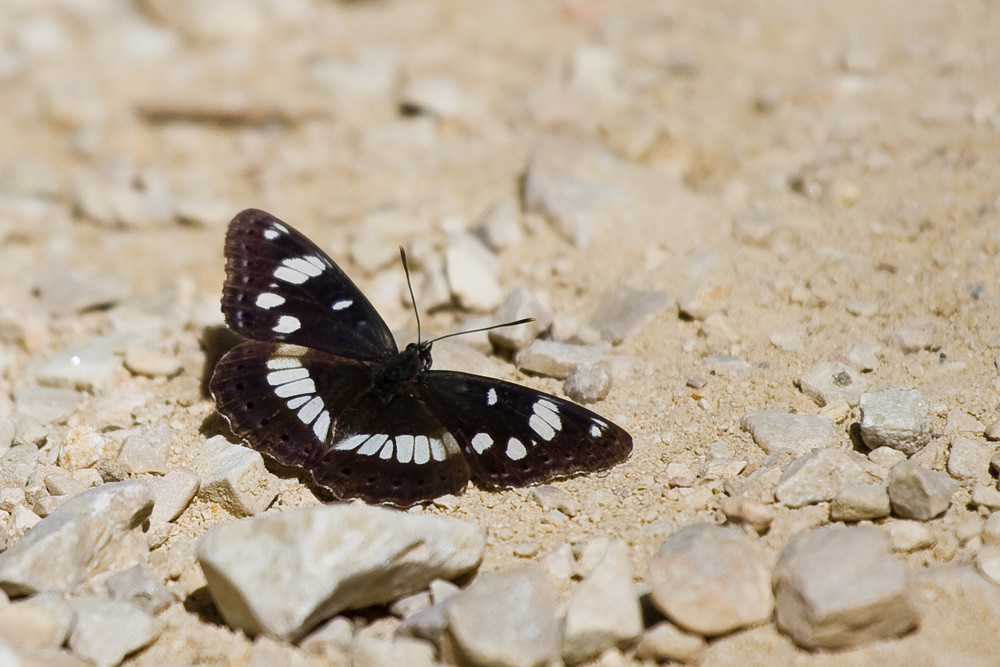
pixel 438 452
pixel 277 363
pixel 268 300
pixel 516 450
pixel 321 427
pixel 549 412
pixel 352 442
pixel 309 265
pixel 343 303
pixel 481 442
pixel 595 430
pixel 288 275
pixel 451 447
pixel 404 448
pixel 541 427
pixel 298 402
pixel 421 450
pixel 287 324
pixel 304 386
pixel 491 396
pixel 311 410
pixel 286 375
pixel 373 444
pixel 386 452
pixel 271 234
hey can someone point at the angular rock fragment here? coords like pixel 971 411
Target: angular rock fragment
pixel 836 587
pixel 310 563
pixel 90 532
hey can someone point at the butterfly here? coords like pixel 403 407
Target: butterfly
pixel 321 385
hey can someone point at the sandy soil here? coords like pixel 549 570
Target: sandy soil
pixel 820 171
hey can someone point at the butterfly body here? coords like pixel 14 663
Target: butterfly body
pixel 322 386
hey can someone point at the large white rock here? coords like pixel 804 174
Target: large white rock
pixel 91 532
pixel 282 573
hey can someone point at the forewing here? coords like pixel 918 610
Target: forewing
pixel 281 287
pixel 513 435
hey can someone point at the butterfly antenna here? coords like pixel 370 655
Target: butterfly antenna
pixel 409 286
pixel 489 328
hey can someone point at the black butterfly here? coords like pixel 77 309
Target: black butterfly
pixel 322 386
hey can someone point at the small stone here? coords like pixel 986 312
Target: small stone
pixel 173 493
pixel 370 651
pixel 837 587
pixel 500 226
pixel 333 557
pixel 604 610
pixel 551 497
pixel 919 493
pixel 558 360
pixel 506 619
pixel 90 532
pixel 626 310
pixel 472 274
pixel 140 588
pixel 150 363
pixel 774 430
pixel 710 580
pixel 331 642
pixel 727 364
pixel 266 652
pixel 908 536
pixel 913 335
pixel 147 450
pixel 63 290
pixel 885 457
pixel 992 431
pixel 757 515
pixel 520 303
pixel 588 384
pixel 85 366
pixel 665 641
pixel 410 604
pixel 991 529
pixel 830 381
pixel 860 502
pixel 865 355
pixel 705 300
pixel 46 405
pixel 960 422
pixel 986 496
pixel 83 447
pixel 817 477
pixel 234 477
pixel 439 96
pixel 756 226
pixel 897 418
pixel 11 491
pixel 40 621
pixel 20 462
pixel 565 182
pixel 969 459
pixel 105 631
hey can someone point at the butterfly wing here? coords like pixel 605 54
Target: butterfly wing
pixel 513 435
pixel 281 287
pixel 309 409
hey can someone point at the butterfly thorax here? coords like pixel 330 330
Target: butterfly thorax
pixel 406 367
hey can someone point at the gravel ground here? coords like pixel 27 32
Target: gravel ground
pixel 767 231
